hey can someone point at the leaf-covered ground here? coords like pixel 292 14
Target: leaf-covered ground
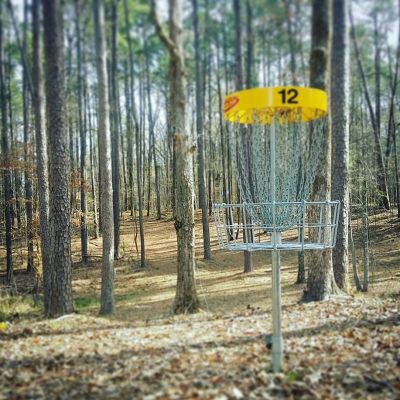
pixel 343 348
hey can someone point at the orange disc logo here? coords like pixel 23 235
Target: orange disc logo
pixel 230 102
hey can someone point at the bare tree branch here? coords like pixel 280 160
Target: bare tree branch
pixel 164 37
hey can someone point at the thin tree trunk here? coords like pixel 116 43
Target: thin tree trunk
pixel 396 166
pixel 392 125
pixel 137 137
pixel 151 131
pixel 106 191
pixel 238 45
pixel 41 157
pixel 93 175
pixel 200 138
pixel 16 181
pixel 222 129
pixel 228 143
pixel 299 34
pixel 381 174
pixel 124 172
pixel 129 134
pixel 115 136
pixel 341 142
pixel 250 44
pixel 248 259
pixel 365 229
pixel 70 120
pixel 150 136
pixel 27 155
pixel 140 194
pixel 82 136
pixel 354 258
pixel 5 148
pixel 377 67
pixel 289 28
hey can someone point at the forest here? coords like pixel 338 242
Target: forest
pixel 199 199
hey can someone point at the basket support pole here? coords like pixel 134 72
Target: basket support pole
pixel 277 341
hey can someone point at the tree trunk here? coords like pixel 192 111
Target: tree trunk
pixel 301 272
pixel 115 136
pixel 93 176
pixel 41 157
pixel 5 148
pixel 392 124
pixel 137 137
pixel 396 166
pixel 248 259
pixel 238 45
pixel 82 136
pixel 381 174
pixel 250 44
pixel 225 197
pixel 186 300
pixel 340 133
pixel 365 229
pixel 129 136
pixel 377 67
pixel 15 175
pixel 152 135
pixel 59 166
pixel 27 154
pixel 125 206
pixel 299 10
pixel 290 34
pixel 354 258
pixel 320 280
pixel 106 192
pixel 200 138
pixel 139 183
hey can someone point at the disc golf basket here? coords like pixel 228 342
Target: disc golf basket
pixel 278 134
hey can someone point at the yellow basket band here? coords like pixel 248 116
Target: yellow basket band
pixel 286 103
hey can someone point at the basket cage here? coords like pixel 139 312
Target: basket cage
pixel 302 225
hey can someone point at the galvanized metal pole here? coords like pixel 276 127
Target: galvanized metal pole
pixel 277 341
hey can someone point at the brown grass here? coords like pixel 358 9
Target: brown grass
pixel 222 286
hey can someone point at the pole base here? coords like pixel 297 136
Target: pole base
pixel 277 347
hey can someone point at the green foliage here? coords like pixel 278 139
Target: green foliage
pixel 90 303
pixel 13 307
pixel 86 303
pixel 293 376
